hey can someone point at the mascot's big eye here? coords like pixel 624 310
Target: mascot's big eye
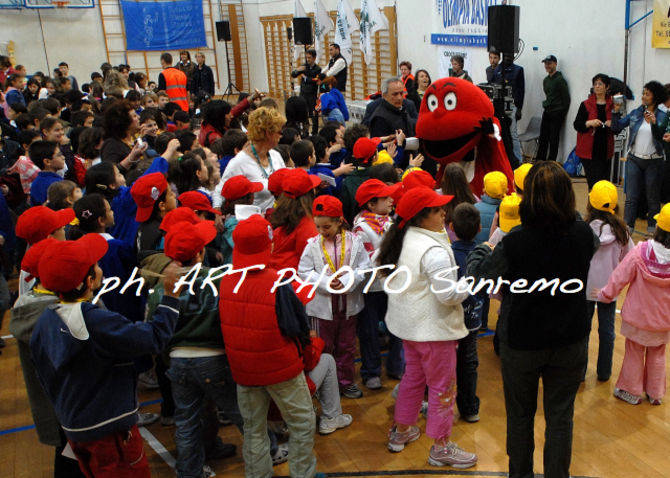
pixel 432 102
pixel 449 101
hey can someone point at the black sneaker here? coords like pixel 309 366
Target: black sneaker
pixel 352 391
pixel 220 450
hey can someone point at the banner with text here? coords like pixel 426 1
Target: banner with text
pixel 660 31
pixel 164 25
pixel 461 22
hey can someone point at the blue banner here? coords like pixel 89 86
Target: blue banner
pixel 173 25
pixel 461 22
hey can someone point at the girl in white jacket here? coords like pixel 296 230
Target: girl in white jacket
pixel 425 311
pixel 334 314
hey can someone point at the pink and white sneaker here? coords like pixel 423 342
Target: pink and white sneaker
pixel 450 454
pixel 398 440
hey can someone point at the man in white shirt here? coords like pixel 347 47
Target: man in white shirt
pixel 337 67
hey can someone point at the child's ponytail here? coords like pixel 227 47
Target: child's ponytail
pixel 392 243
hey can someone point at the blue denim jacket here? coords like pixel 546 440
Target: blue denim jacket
pixel 634 120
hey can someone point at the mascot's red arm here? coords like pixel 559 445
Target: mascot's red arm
pixel 456 125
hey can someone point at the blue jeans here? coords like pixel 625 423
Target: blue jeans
pixel 467 362
pixel 606 335
pixel 643 175
pixel 194 380
pixel 368 338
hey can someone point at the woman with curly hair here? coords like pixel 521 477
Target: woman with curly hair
pixel 258 160
pixel 115 85
pixel 121 124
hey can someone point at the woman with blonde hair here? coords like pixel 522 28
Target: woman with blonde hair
pixel 258 160
pixel 116 85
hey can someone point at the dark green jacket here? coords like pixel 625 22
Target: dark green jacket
pixel 350 185
pixel 198 324
pixel 660 130
pixel 557 92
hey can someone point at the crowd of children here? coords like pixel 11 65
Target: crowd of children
pixel 136 193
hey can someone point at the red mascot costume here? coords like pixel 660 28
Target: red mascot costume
pixel 456 125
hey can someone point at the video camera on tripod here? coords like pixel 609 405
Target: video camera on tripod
pixel 500 95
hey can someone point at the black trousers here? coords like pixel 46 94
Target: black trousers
pixel 561 370
pixel 550 135
pixel 596 170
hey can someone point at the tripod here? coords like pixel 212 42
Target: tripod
pixel 231 88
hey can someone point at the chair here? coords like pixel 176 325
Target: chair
pixel 532 134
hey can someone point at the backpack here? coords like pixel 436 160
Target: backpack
pixel 573 165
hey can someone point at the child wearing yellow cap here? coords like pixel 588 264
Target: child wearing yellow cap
pixel 508 217
pixel 615 243
pixel 495 189
pixel 644 316
pixel 520 174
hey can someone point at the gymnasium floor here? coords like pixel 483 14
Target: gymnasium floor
pixel 611 439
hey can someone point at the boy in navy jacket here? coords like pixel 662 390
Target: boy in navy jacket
pixel 86 357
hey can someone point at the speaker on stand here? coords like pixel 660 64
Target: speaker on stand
pixel 223 34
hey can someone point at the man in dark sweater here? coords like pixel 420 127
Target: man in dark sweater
pixel 308 85
pixel 556 107
pixel 391 116
pixel 203 78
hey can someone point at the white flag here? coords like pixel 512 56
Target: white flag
pixel 322 25
pixel 343 29
pixel 298 12
pixel 352 20
pixel 372 20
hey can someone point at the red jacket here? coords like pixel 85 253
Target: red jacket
pixel 287 248
pixel 257 351
pixel 585 140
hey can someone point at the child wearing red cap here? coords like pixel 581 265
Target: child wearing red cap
pixel 364 154
pixel 265 333
pixel 237 190
pixel 371 224
pixel 292 223
pixel 87 358
pixel 196 351
pixel 154 199
pixel 36 224
pixel 334 315
pixel 428 317
pixel 24 314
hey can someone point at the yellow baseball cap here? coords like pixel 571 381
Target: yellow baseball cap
pixel 604 196
pixel 520 174
pixel 509 212
pixel 383 157
pixel 663 218
pixel 495 184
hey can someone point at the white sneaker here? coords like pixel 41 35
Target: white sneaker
pixel 329 425
pixel 144 419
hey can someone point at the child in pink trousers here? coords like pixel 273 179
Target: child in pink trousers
pixel 645 317
pixel 427 315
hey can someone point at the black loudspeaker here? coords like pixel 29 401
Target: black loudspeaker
pixel 223 31
pixel 302 30
pixel 503 29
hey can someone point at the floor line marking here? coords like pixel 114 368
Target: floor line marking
pixel 158 447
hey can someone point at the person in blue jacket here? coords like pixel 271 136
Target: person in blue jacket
pixel 333 106
pixel 87 358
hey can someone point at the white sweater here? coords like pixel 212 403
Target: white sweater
pixel 312 262
pixel 247 166
pixel 419 314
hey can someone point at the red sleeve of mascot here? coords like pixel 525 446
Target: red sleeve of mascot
pixel 456 125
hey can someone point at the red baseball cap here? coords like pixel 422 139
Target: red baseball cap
pixel 253 242
pixel 327 206
pixel 374 188
pixel 418 178
pixel 297 183
pixel 416 199
pixel 239 186
pixel 275 181
pixel 179 214
pixel 184 239
pixel 197 201
pixel 38 222
pixel 365 148
pixel 146 191
pixel 64 264
pixel 31 258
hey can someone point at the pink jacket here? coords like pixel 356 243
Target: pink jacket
pixel 648 299
pixel 607 257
